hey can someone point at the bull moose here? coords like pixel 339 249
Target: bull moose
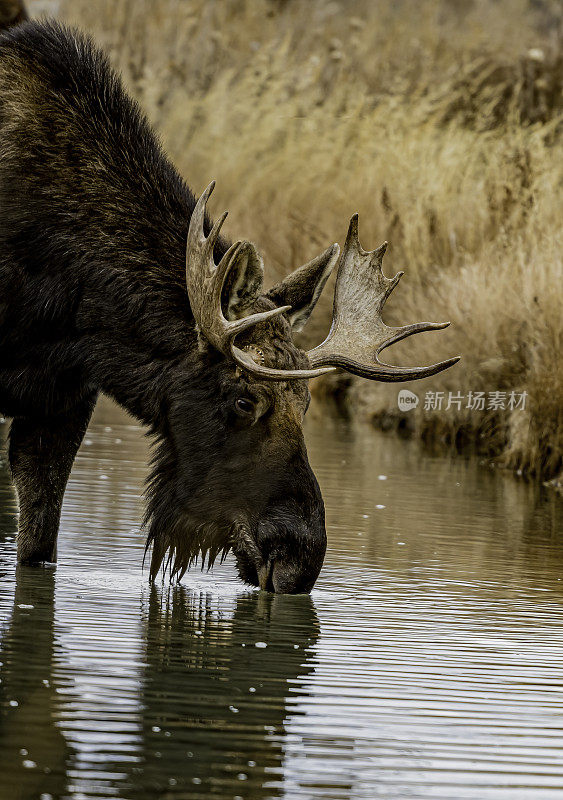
pixel 114 280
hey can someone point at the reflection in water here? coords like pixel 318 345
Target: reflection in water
pixel 427 664
pixel 34 755
pixel 216 689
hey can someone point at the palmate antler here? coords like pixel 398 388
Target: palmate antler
pixel 357 335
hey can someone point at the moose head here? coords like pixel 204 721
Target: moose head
pixel 246 484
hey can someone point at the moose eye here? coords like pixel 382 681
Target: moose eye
pixel 244 407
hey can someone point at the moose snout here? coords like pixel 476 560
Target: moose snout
pixel 282 560
pixel 286 552
pixel 284 578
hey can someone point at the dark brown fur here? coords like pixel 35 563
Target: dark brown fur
pixel 93 225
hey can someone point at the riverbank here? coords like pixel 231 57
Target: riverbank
pixel 439 122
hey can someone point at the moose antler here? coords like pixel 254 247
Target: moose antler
pixel 205 281
pixel 358 334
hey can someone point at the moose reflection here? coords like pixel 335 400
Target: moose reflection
pixel 34 755
pixel 211 704
pixel 217 690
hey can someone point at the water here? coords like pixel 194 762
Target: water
pixel 428 662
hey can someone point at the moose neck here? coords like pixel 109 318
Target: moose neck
pixel 142 347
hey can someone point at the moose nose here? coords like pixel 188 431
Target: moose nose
pixel 288 579
pixel 275 576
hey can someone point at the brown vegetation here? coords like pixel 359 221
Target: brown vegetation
pixel 440 122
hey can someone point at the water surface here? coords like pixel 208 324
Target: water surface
pixel 428 662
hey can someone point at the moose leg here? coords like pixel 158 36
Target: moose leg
pixel 41 455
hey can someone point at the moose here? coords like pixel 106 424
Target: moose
pixel 114 280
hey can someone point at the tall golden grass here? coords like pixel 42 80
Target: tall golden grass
pixel 440 122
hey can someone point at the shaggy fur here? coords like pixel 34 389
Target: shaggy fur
pixel 93 225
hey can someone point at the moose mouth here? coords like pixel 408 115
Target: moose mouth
pixel 282 558
pixel 281 552
pixel 258 574
pixel 251 566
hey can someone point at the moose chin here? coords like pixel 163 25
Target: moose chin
pixel 115 281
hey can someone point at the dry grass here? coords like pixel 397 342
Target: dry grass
pixel 440 122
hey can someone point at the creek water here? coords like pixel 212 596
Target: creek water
pixel 427 663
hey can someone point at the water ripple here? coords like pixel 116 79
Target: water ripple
pixel 427 664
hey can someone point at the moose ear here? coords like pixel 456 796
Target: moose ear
pixel 244 281
pixel 302 288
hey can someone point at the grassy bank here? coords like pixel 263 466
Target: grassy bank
pixel 440 122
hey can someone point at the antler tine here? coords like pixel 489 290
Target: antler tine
pixel 358 334
pixel 205 280
pixel 196 236
pixel 214 235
